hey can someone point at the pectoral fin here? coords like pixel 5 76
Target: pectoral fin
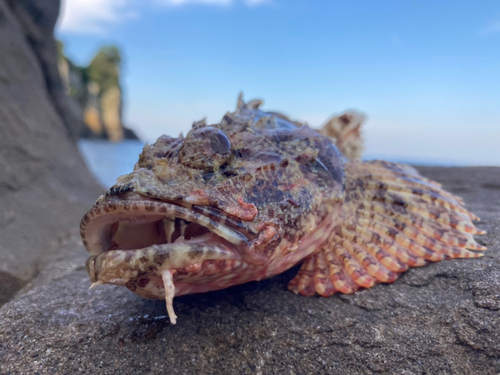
pixel 392 219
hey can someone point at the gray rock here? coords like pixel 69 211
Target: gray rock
pixel 37 19
pixel 440 319
pixel 44 184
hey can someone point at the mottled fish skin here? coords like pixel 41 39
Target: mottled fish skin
pixel 280 193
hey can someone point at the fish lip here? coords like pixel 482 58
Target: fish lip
pixel 96 224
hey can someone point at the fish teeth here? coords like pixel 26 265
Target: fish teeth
pixel 183 226
pixel 169 286
pixel 169 227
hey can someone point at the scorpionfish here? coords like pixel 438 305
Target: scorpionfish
pixel 257 194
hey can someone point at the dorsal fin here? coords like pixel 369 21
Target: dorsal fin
pixel 240 103
pixel 252 104
pixel 200 124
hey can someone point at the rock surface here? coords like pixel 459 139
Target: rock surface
pixel 443 318
pixel 37 19
pixel 44 184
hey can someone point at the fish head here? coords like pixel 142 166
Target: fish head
pixel 249 189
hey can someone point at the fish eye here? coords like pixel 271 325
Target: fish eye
pixel 205 148
pixel 219 142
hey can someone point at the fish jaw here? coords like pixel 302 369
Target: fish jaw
pixel 181 257
pixel 134 241
pixel 131 239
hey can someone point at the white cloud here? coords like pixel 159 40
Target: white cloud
pixel 250 3
pixel 93 16
pixel 97 16
pixel 255 2
pixel 492 28
pixel 208 2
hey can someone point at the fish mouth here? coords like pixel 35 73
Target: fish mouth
pixel 133 222
pixel 127 233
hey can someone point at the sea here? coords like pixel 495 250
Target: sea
pixel 108 160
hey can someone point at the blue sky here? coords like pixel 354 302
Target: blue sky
pixel 426 73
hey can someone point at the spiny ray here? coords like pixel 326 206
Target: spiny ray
pixel 322 280
pixel 357 273
pixel 412 192
pixel 412 201
pixel 383 169
pixel 352 237
pixel 417 223
pixel 380 245
pixel 411 182
pixel 380 257
pixel 444 216
pixel 431 250
pixel 410 231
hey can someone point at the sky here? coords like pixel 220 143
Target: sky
pixel 426 73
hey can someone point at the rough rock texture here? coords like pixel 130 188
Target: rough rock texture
pixel 440 319
pixel 37 19
pixel 44 184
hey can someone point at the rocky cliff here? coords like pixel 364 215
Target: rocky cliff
pixel 96 90
pixel 44 184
